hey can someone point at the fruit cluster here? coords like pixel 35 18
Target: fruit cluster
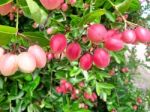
pixel 112 40
pixel 10 10
pixel 66 87
pixel 26 62
pixel 57 4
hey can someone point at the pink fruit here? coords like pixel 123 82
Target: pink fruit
pixel 51 4
pixel 129 36
pixel 86 61
pixel 142 34
pixel 101 58
pixel 39 54
pixel 114 44
pixel 8 64
pixel 110 34
pixel 72 2
pixel 63 81
pixel 96 33
pixel 86 95
pixel 73 51
pixel 49 31
pixel 50 56
pixel 26 62
pixel 58 90
pixel 5 9
pixel 58 43
pixel 64 7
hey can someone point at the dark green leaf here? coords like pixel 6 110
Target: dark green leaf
pixel 2 2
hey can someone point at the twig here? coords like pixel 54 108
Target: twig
pixel 123 18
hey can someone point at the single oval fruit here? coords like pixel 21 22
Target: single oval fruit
pixel 101 58
pixel 114 44
pixel 96 33
pixel 86 61
pixel 58 43
pixel 51 4
pixel 5 9
pixel 72 2
pixel 142 34
pixel 8 64
pixel 39 55
pixel 26 62
pixel 129 36
pixel 64 7
pixel 73 51
pixel 50 56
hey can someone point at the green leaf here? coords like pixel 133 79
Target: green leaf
pixel 1 83
pixel 110 16
pixel 124 6
pixel 24 6
pixel 38 14
pixel 2 2
pixel 6 34
pixel 91 16
pixel 32 85
pixel 37 37
pixel 135 5
pixel 102 86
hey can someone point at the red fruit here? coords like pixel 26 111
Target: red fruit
pixel 125 70
pixel 50 56
pixel 117 36
pixel 114 44
pixel 49 31
pixel 142 34
pixel 26 62
pixel 81 84
pixel 84 39
pixel 139 100
pixel 110 34
pixel 87 95
pixel 63 89
pixel 73 51
pixel 64 7
pixel 63 81
pixel 94 96
pixel 8 64
pixel 51 4
pixel 39 55
pixel 96 33
pixel 68 86
pixel 5 9
pixel 58 43
pixel 86 61
pixel 101 58
pixel 58 90
pixel 72 2
pixel 112 72
pixel 135 107
pixel 129 36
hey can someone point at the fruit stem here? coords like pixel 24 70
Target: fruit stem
pixel 123 18
pixel 116 8
pixel 17 19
